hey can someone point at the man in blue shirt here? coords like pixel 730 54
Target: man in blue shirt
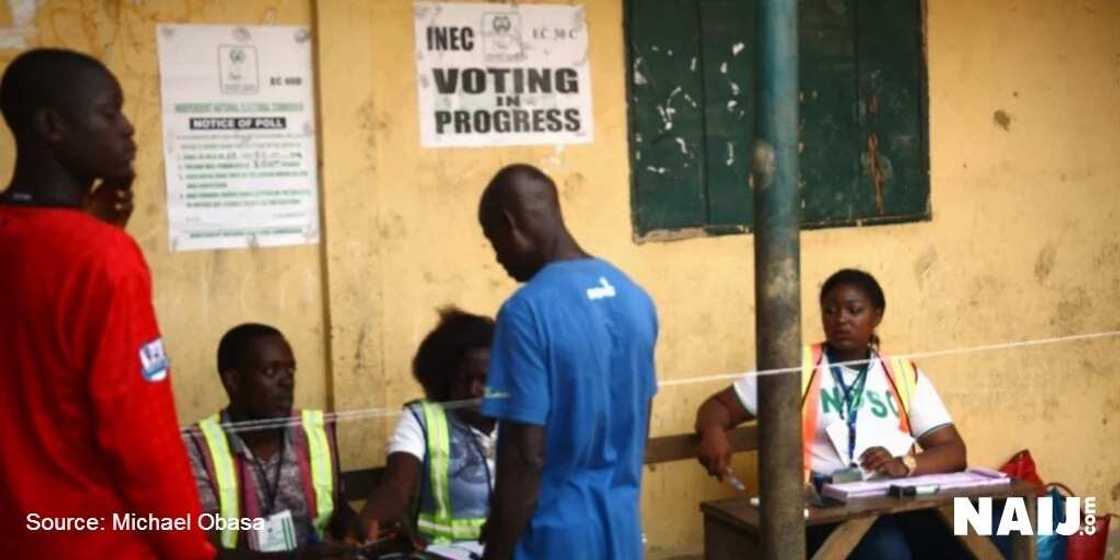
pixel 571 380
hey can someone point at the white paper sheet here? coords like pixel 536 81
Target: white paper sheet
pixel 462 550
pixel 502 74
pixel 239 136
pixel 948 483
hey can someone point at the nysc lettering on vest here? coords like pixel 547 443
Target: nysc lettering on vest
pixel 1016 520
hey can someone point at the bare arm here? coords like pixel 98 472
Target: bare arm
pixel 390 500
pixel 720 413
pixel 943 451
pixel 521 457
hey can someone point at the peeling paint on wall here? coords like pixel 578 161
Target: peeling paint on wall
pixel 23 14
pixel 1002 120
pixel 639 78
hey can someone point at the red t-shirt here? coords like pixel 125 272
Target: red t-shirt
pixel 88 429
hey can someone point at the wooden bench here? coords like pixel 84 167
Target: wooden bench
pixel 664 449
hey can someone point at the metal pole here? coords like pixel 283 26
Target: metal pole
pixel 778 281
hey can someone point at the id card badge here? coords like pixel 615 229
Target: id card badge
pixel 838 435
pixel 850 474
pixel 278 534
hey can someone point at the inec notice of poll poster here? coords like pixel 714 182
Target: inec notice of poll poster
pixel 502 74
pixel 238 136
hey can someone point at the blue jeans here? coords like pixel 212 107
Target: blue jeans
pixel 902 536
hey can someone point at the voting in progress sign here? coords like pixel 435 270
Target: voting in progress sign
pixel 502 75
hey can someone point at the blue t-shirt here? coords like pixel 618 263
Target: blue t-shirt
pixel 573 352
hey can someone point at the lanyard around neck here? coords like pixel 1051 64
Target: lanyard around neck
pixel 271 488
pixel 853 396
pixel 23 198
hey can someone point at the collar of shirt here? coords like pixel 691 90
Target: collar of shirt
pixel 238 445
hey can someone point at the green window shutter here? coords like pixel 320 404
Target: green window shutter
pixel 830 149
pixel 666 115
pixel 729 49
pixel 864 155
pixel 892 78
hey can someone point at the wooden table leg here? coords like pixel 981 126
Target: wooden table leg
pixel 844 538
pixel 722 541
pixel 981 548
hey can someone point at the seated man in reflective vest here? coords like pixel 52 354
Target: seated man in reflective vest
pixel 276 465
pixel 442 451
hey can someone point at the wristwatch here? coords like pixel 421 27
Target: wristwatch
pixel 911 463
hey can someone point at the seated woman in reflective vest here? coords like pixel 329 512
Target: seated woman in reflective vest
pixel 443 451
pixel 873 394
pixel 275 473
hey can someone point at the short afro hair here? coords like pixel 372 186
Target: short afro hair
pixel 41 79
pixel 442 351
pixel 859 279
pixel 235 344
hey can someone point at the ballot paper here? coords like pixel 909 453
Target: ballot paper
pixel 461 550
pixel 870 432
pixel 946 483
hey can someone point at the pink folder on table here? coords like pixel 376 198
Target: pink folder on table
pixel 964 481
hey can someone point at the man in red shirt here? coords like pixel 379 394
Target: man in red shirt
pixel 92 464
pixel 88 430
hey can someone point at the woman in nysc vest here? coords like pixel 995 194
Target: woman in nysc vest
pixel 877 394
pixel 446 453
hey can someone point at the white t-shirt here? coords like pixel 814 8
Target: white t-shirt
pixel 409 438
pixel 927 412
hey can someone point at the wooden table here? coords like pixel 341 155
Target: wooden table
pixel 731 526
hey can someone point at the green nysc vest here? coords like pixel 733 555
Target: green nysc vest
pixel 437 521
pixel 313 457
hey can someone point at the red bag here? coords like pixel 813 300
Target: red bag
pixel 1021 466
pixel 1089 547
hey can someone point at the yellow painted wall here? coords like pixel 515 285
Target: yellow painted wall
pixel 1024 241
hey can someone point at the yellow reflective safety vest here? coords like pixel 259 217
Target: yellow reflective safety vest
pixel 312 449
pixel 902 376
pixel 437 523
